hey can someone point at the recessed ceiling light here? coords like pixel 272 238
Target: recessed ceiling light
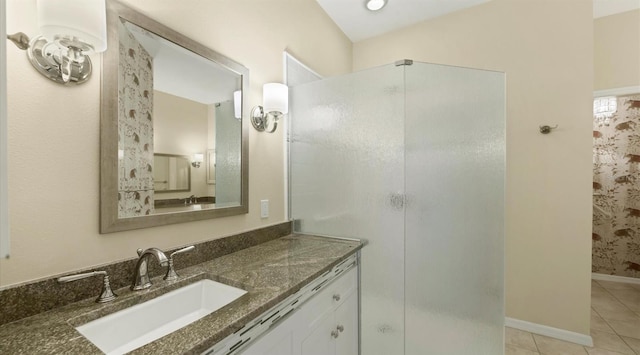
pixel 375 5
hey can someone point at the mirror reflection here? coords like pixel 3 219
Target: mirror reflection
pixel 179 128
pixel 171 173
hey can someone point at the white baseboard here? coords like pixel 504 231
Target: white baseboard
pixel 614 278
pixel 557 333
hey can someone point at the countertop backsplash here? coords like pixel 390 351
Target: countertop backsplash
pixel 28 299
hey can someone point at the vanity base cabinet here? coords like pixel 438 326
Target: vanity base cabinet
pixel 278 341
pixel 347 317
pixel 336 333
pixel 327 324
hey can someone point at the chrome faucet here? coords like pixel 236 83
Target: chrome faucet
pixel 106 294
pixel 190 200
pixel 141 273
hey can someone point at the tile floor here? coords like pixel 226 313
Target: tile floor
pixel 615 326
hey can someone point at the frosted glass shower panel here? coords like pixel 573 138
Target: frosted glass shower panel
pixel 454 227
pixel 228 168
pixel 346 180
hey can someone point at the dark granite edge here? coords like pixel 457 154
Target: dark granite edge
pixel 31 298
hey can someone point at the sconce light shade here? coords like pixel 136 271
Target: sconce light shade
pixel 275 98
pixel 237 104
pixel 74 22
pixel 275 101
pixel 198 158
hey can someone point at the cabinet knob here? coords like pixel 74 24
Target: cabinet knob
pixel 335 334
pixel 336 297
pixel 340 328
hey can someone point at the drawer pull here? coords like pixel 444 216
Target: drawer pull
pixel 336 297
pixel 335 334
pixel 340 328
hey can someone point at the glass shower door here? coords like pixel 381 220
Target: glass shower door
pixel 411 159
pixel 347 180
pixel 454 218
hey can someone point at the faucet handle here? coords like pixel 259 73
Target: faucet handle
pixel 171 272
pixel 106 294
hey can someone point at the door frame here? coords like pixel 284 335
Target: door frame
pixel 621 91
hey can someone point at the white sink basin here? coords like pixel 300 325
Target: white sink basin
pixel 136 326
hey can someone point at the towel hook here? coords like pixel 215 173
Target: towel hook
pixel 547 129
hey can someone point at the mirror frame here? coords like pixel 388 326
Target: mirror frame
pixel 4 169
pixel 186 157
pixel 109 220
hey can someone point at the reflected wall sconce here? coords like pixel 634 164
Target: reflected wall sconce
pixel 70 30
pixel 237 104
pixel 198 158
pixel 275 101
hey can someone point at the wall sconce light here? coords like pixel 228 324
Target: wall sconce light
pixel 275 98
pixel 198 158
pixel 237 104
pixel 70 29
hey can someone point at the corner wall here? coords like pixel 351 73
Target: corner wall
pixel 54 133
pixel 616 50
pixel 546 49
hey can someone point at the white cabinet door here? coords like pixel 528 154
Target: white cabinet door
pixel 277 341
pixel 271 345
pixel 320 340
pixel 335 333
pixel 347 325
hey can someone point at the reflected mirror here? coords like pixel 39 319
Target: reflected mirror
pixel 173 141
pixel 171 173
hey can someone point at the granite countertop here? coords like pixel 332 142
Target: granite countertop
pixel 270 272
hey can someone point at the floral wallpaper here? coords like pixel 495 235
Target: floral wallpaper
pixel 616 191
pixel 135 127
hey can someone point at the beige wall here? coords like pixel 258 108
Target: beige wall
pixel 54 133
pixel 617 50
pixel 181 126
pixel 545 47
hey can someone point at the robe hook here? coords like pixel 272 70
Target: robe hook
pixel 547 129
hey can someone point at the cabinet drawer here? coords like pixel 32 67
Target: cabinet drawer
pixel 332 296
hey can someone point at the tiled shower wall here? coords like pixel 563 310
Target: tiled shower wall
pixel 616 191
pixel 135 127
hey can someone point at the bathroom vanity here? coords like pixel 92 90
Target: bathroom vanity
pixel 301 299
pixel 326 324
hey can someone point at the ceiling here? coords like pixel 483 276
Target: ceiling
pixel 358 23
pixel 603 8
pixel 180 72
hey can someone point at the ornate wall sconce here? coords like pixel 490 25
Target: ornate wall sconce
pixel 70 30
pixel 197 160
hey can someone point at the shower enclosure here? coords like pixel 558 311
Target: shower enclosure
pixel 410 157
